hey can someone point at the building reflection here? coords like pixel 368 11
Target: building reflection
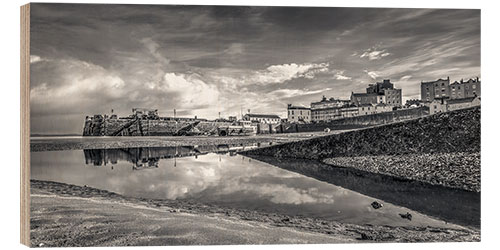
pixel 149 157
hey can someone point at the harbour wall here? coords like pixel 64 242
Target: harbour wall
pixel 456 131
pixel 148 127
pixel 358 121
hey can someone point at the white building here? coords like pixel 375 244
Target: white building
pixel 262 118
pixel 298 114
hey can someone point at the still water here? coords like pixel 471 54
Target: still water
pixel 225 179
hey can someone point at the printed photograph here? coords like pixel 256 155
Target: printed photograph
pixel 157 125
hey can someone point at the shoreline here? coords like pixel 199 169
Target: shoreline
pixel 107 142
pixel 334 232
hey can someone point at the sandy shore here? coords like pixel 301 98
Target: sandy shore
pixel 68 215
pixel 102 142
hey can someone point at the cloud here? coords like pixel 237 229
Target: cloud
pixel 235 49
pixel 405 78
pixel 153 48
pixel 287 93
pixel 35 59
pixel 284 72
pixel 374 54
pixel 76 82
pixel 189 90
pixel 248 57
pixel 340 76
pixel 372 74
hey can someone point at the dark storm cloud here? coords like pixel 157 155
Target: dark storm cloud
pixel 202 60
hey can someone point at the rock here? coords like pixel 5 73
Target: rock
pixel 406 216
pixel 365 237
pixel 377 205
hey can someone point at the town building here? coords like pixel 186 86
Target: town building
pixel 380 92
pixel 327 109
pixel 439 105
pixel 262 118
pixel 368 109
pixel 349 110
pixel 413 103
pixel 442 88
pixel 298 114
pixel 470 88
pixel 463 103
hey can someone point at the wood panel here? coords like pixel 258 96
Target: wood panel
pixel 25 124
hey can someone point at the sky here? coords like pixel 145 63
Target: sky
pixel 88 59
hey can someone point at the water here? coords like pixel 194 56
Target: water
pixel 225 179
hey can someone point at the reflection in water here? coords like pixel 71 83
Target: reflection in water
pixel 453 205
pixel 222 179
pixel 144 158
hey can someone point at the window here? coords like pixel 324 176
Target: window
pixel 474 86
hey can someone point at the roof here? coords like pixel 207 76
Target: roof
pixel 330 101
pixel 297 107
pixel 263 116
pixel 365 105
pixel 461 100
pixel 438 80
pixel 365 94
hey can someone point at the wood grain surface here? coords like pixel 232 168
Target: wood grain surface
pixel 25 124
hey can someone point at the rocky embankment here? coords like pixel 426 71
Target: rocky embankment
pixel 441 149
pixel 455 170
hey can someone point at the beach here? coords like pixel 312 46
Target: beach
pixel 69 215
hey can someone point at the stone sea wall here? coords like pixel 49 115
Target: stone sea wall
pixel 359 121
pixel 146 127
pixel 456 131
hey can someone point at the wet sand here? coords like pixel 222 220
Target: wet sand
pixel 68 215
